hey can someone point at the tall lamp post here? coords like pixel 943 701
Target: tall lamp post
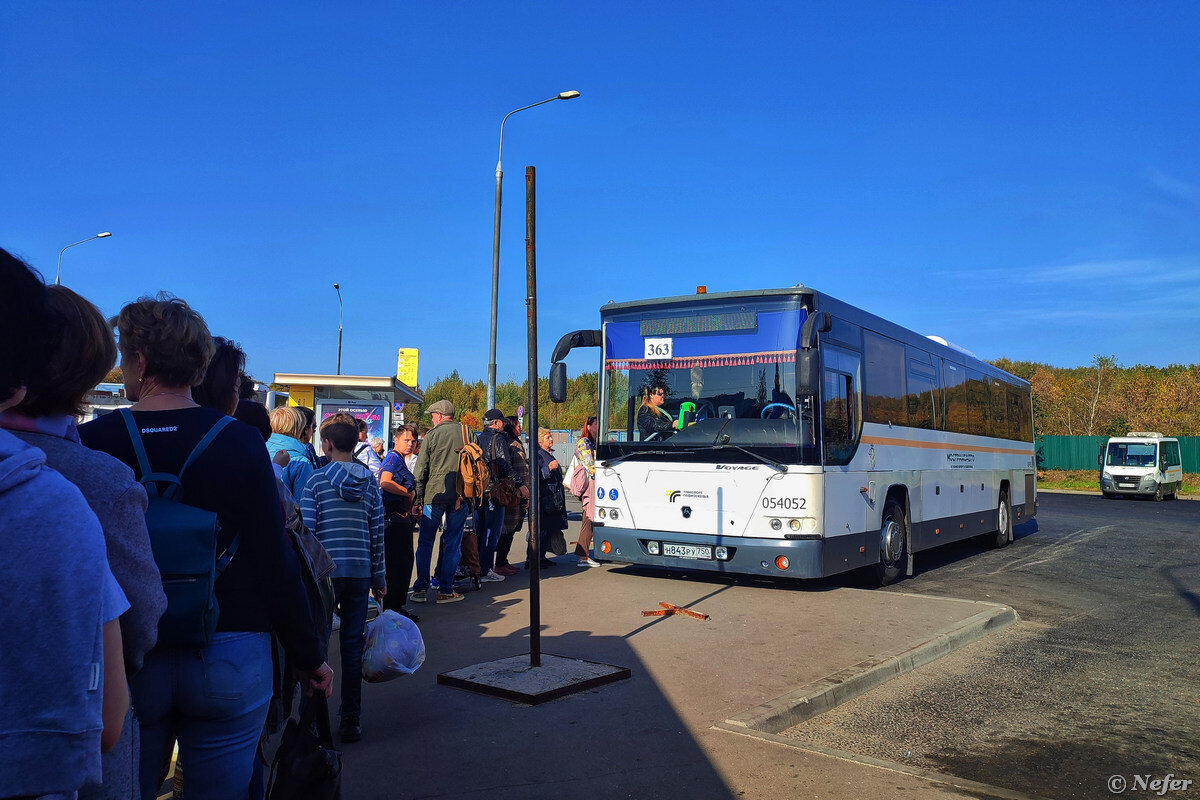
pixel 338 289
pixel 491 376
pixel 58 273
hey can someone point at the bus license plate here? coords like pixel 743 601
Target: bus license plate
pixel 687 550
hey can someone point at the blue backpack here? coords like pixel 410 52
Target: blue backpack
pixel 184 541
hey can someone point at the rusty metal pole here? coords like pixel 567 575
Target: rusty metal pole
pixel 535 507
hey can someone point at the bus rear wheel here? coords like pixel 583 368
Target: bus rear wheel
pixel 893 544
pixel 1003 522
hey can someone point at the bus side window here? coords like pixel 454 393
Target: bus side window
pixel 922 410
pixel 955 386
pixel 1014 411
pixel 883 381
pixel 998 424
pixel 977 404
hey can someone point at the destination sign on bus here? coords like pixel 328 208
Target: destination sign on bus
pixel 701 323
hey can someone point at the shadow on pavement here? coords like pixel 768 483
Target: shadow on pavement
pixel 422 740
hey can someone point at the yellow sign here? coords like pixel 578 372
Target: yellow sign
pixel 406 366
pixel 300 396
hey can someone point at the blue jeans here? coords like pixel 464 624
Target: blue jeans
pixel 214 702
pixel 489 524
pixel 351 594
pixel 431 517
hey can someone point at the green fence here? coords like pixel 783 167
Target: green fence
pixel 1081 452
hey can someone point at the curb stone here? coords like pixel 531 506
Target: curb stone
pixel 1097 494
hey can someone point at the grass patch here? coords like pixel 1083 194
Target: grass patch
pixel 1089 480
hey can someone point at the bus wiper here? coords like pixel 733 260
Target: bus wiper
pixel 608 462
pixel 770 462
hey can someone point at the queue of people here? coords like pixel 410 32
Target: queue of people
pixel 138 659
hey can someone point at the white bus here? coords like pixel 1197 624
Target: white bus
pixel 783 432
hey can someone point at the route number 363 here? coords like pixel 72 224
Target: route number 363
pixel 657 349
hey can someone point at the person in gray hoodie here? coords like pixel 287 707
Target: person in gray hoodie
pixel 45 419
pixel 62 675
pixel 342 506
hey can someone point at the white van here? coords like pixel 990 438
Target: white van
pixel 1142 463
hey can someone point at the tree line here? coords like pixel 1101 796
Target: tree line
pixel 470 400
pixel 1107 399
pixel 1102 399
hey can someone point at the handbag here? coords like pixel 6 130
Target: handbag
pixel 566 482
pixel 306 765
pixel 505 493
pixel 503 490
pixel 579 480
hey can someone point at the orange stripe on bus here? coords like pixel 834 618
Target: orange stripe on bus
pixel 942 446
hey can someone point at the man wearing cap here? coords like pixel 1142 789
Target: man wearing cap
pixel 489 517
pixel 437 497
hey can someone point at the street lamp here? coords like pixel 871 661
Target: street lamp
pixel 491 376
pixel 338 289
pixel 58 274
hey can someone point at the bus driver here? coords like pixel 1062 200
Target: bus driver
pixel 651 419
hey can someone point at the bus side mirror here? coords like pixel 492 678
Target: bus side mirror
pixel 807 373
pixel 558 382
pixel 808 368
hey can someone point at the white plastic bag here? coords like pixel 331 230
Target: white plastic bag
pixel 570 471
pixel 392 647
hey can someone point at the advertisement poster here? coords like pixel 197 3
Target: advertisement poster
pixel 372 413
pixel 300 396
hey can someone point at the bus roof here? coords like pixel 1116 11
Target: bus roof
pixel 796 291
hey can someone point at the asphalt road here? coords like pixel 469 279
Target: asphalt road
pixel 1098 678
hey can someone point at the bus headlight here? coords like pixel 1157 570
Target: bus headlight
pixel 601 513
pixel 612 514
pixel 652 548
pixel 721 553
pixel 794 524
pixel 776 524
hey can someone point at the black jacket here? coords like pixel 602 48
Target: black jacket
pixel 552 495
pixel 494 445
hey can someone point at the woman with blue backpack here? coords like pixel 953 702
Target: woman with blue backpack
pixel 229 572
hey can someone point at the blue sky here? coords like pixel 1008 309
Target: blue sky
pixel 1020 178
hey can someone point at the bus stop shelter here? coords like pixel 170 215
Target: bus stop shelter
pixel 378 400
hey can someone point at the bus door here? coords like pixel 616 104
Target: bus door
pixel 846 509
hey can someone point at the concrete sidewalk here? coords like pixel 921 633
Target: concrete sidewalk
pixel 653 735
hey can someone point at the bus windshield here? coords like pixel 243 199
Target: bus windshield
pixel 715 379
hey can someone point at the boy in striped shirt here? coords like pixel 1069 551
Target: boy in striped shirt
pixel 342 506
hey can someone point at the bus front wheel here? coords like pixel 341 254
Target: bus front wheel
pixel 893 544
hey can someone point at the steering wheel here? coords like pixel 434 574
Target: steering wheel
pixel 769 406
pixel 701 404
